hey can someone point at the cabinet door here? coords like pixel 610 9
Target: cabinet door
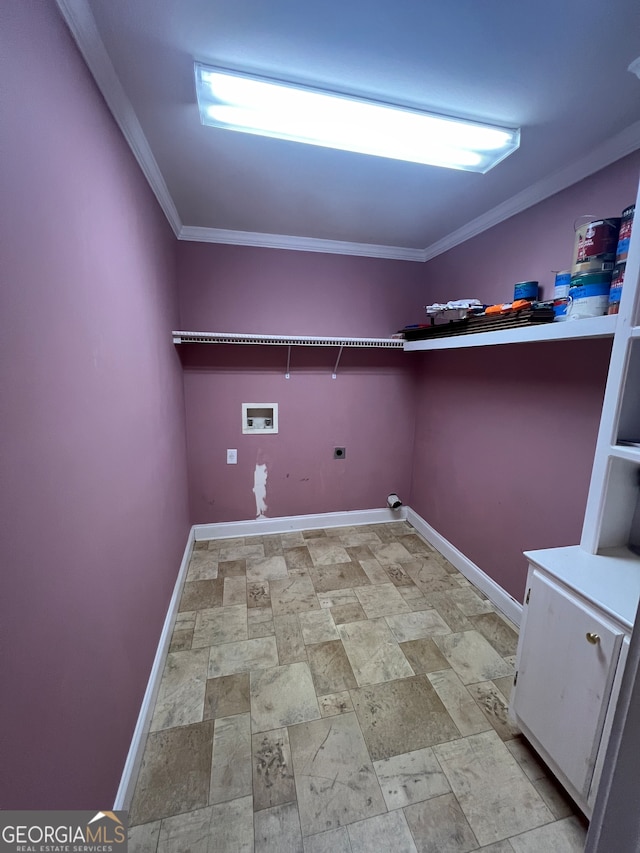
pixel 564 680
pixel 608 721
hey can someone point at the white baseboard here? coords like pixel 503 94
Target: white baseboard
pixel 134 757
pixel 221 531
pixel 501 599
pixel 498 597
pixel 289 523
pixel 257 526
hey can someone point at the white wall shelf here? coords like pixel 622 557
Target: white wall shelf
pixel 284 340
pixel 621 451
pixel 593 327
pixel 288 341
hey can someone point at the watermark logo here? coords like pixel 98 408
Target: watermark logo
pixel 63 832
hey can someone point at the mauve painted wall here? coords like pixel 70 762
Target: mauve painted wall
pixel 94 514
pixel 529 246
pixel 505 436
pixel 368 408
pixel 275 291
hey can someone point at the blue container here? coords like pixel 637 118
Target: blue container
pixel 615 294
pixel 562 284
pixel 625 234
pixel 589 295
pixel 561 295
pixel 525 290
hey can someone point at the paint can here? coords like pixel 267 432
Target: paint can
pixel 624 236
pixel 561 294
pixel 560 306
pixel 562 284
pixel 525 290
pixel 589 295
pixel 595 246
pixel 616 288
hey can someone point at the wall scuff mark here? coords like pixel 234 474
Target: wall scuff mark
pixel 260 490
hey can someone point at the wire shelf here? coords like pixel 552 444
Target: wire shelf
pixel 284 340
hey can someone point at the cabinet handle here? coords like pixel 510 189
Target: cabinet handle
pixel 593 638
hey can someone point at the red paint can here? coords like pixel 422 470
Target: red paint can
pixel 595 247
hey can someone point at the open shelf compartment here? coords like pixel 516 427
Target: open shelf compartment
pixel 620 524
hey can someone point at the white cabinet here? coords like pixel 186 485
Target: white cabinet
pixel 566 666
pixel 610 519
pixel 567 687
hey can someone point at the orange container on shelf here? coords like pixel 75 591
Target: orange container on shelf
pixel 507 307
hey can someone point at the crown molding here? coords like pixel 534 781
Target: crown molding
pixel 299 244
pixel 625 142
pixel 81 23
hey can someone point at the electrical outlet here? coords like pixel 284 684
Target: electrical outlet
pixel 232 457
pixel 339 452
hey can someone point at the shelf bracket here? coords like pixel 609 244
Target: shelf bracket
pixel 287 374
pixel 335 369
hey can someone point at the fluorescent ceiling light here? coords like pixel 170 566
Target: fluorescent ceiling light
pixel 237 101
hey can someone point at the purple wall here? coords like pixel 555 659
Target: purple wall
pixel 368 409
pixel 527 415
pixel 275 291
pixel 529 246
pixel 505 438
pixel 94 501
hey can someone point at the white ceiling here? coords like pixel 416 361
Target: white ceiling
pixel 556 68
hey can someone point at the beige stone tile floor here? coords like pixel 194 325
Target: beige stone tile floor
pixel 340 691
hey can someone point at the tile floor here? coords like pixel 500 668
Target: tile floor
pixel 340 691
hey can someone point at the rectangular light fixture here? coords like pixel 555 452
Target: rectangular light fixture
pixel 237 101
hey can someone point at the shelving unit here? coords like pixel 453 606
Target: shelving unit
pixel 569 669
pixel 613 490
pixel 620 451
pixel 284 340
pixel 288 341
pixel 594 327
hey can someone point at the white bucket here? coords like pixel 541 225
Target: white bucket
pixel 589 295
